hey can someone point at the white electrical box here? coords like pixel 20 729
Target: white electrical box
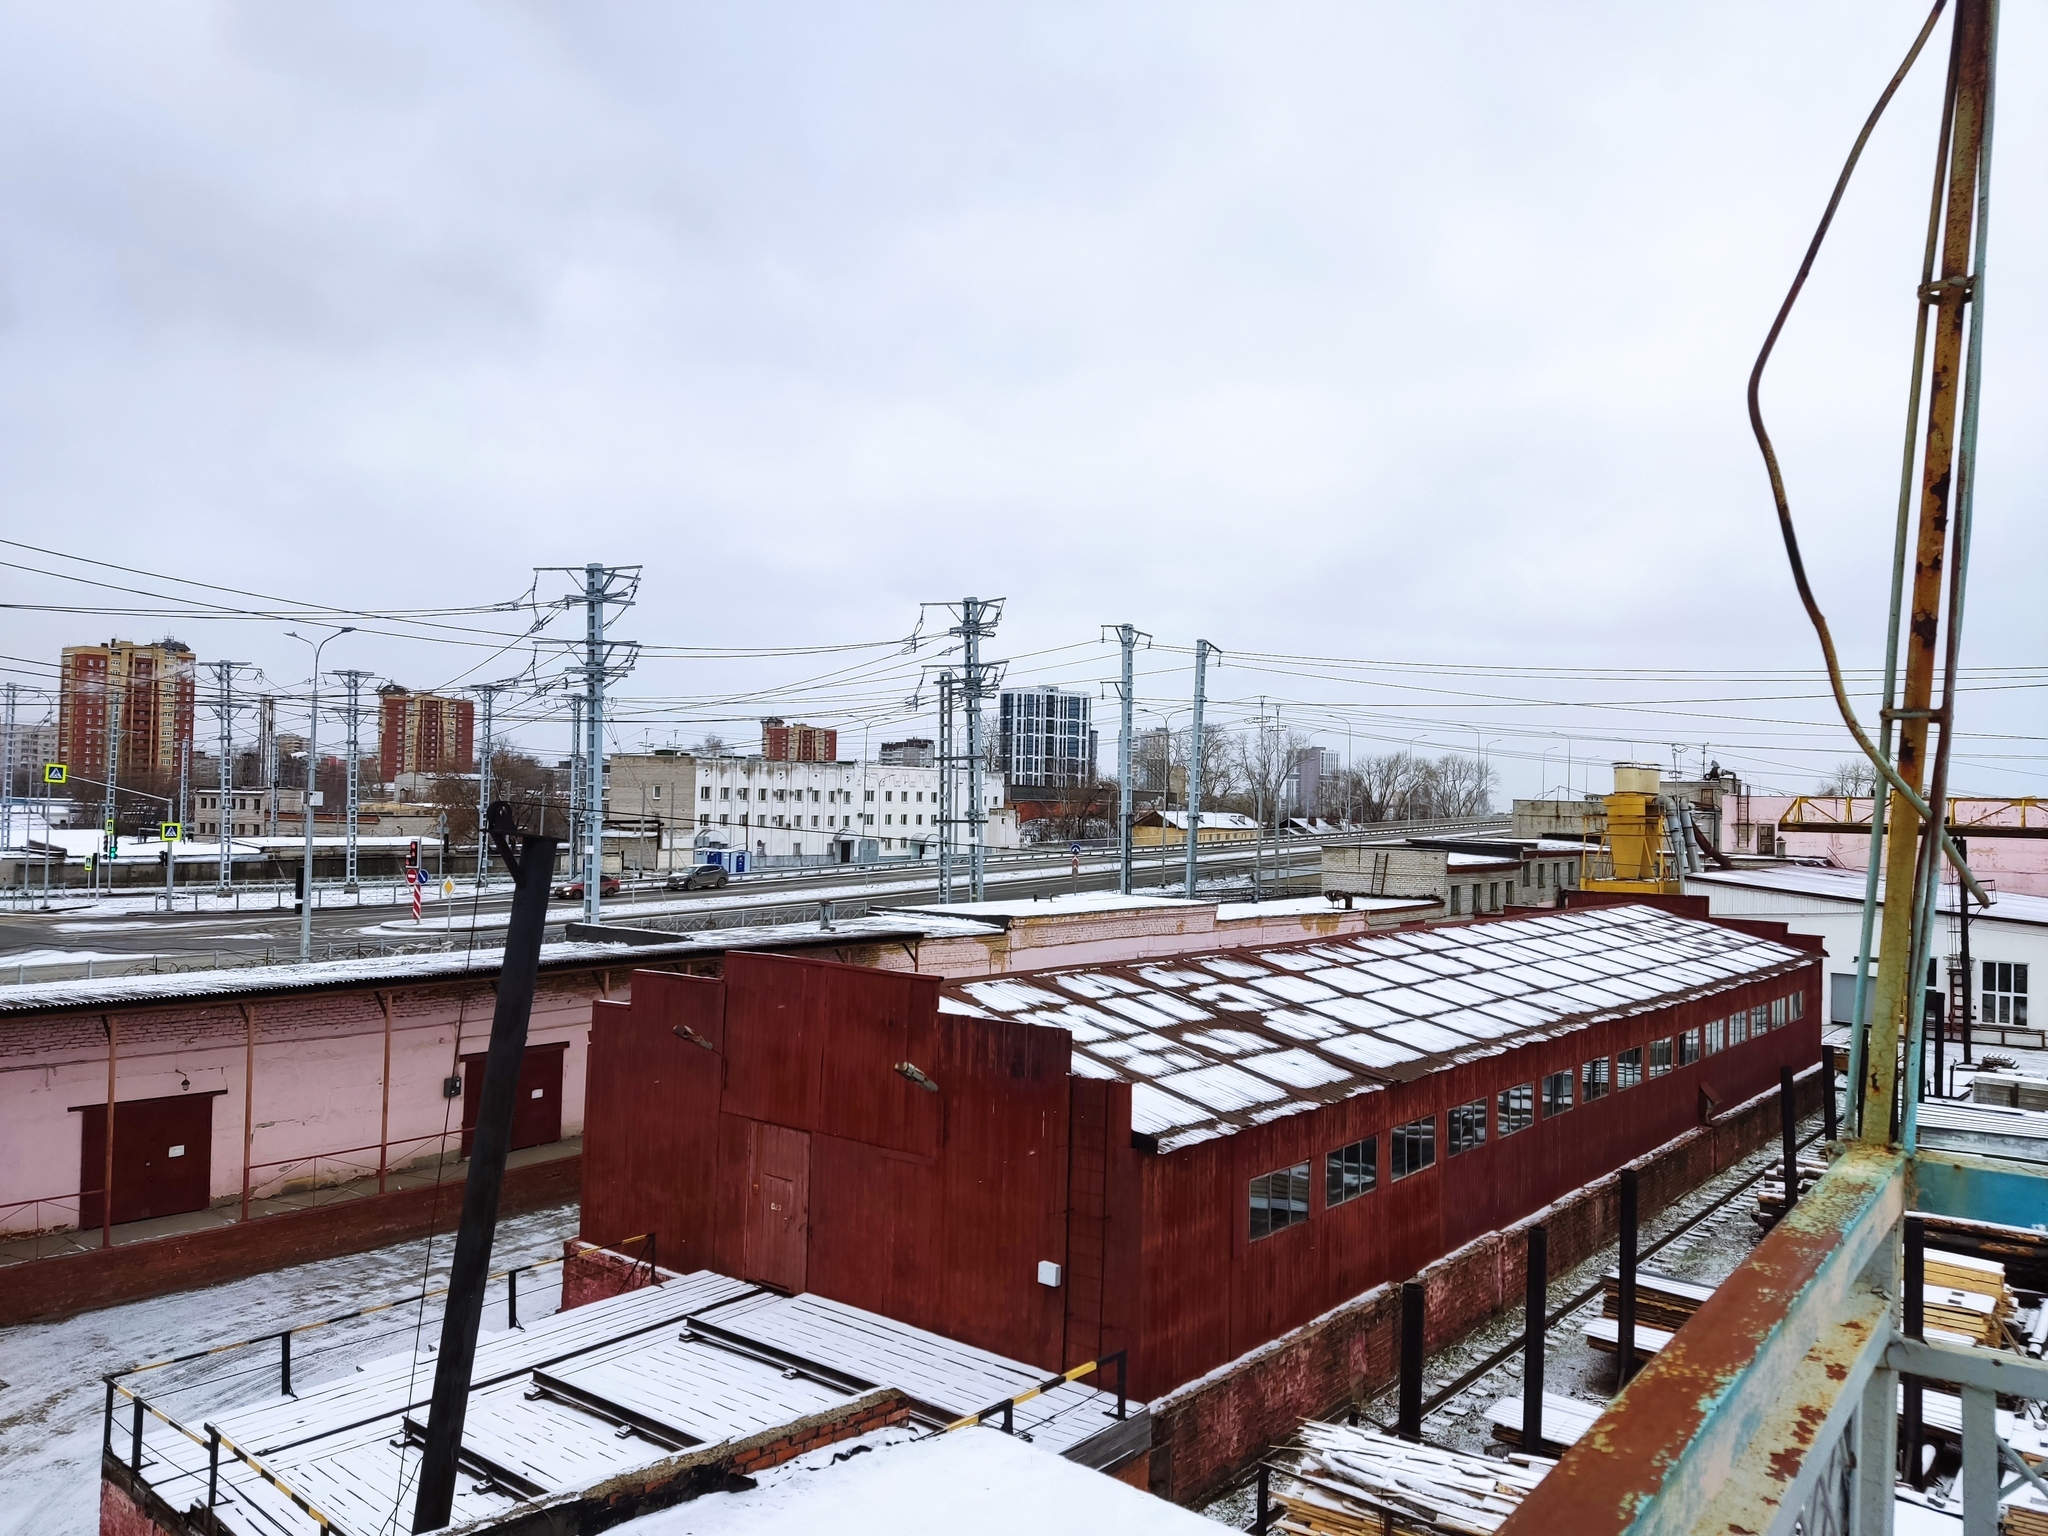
pixel 1048 1273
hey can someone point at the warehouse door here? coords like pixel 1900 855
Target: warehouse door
pixel 163 1157
pixel 775 1249
pixel 536 1107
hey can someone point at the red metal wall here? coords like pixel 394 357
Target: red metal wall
pixel 935 1208
pixel 1200 1311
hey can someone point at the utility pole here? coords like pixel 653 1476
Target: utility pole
pixel 1127 637
pixel 312 794
pixel 487 696
pixel 604 587
pixel 7 784
pixel 574 820
pixel 111 843
pixel 1203 651
pixel 949 809
pixel 224 711
pixel 353 680
pixel 266 759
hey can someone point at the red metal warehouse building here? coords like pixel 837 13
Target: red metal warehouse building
pixel 1182 1158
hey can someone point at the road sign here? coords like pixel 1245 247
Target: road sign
pixel 1074 849
pixel 171 831
pixel 55 773
pixel 447 887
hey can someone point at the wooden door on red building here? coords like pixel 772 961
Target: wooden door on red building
pixel 163 1157
pixel 536 1108
pixel 775 1237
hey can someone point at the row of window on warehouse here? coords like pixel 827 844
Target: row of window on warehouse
pixel 1281 1199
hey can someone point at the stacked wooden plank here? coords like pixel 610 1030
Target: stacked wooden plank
pixel 1347 1481
pixel 1564 1420
pixel 1663 1303
pixel 1770 1194
pixel 1967 1295
pixel 2026 1515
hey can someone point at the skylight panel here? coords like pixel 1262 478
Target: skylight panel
pixel 1296 1068
pixel 1425 1037
pixel 1009 996
pixel 1359 1012
pixel 1223 1088
pixel 1154 1111
pixel 1295 989
pixel 1372 1050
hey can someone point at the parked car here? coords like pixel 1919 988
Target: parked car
pixel 704 877
pixel 573 891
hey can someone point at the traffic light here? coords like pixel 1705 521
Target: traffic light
pixel 412 854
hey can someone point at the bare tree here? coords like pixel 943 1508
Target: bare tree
pixel 1265 757
pixel 1851 776
pixel 711 745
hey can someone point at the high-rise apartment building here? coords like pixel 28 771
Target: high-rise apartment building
pixel 913 752
pixel 798 743
pixel 1043 739
pixel 423 733
pixel 145 692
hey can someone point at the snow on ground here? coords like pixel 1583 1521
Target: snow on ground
pixel 896 1483
pixel 52 1396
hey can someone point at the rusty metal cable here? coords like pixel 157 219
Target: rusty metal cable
pixel 1763 438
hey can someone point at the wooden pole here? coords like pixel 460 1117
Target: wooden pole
pixel 384 1111
pixel 248 1100
pixel 113 1023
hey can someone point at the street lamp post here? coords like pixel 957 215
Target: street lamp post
pixel 311 792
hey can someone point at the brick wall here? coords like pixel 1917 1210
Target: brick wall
pixel 1209 1432
pixel 598 1274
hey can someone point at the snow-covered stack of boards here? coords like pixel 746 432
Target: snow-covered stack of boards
pixel 1663 1303
pixel 1344 1481
pixel 1967 1296
pixel 1770 1195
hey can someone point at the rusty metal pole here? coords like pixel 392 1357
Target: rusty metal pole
pixel 384 1109
pixel 1625 1302
pixel 532 869
pixel 1948 293
pixel 1409 1426
pixel 1535 1305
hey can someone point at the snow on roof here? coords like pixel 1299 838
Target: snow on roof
pixel 978 1480
pixel 1073 904
pixel 698 1361
pixel 1320 906
pixel 1847 885
pixel 424 969
pixel 1212 1043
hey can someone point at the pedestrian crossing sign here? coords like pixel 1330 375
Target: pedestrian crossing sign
pixel 171 831
pixel 55 773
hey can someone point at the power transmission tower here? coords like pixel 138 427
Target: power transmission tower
pixel 487 695
pixel 604 587
pixel 972 682
pixel 7 784
pixel 111 845
pixel 575 817
pixel 353 680
pixel 949 809
pixel 266 759
pixel 224 712
pixel 1203 651
pixel 1127 636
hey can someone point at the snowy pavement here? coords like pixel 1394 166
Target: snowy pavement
pixel 52 1394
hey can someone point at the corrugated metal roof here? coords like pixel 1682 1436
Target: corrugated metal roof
pixel 1212 1043
pixel 426 969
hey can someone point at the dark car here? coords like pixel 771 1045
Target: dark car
pixel 704 877
pixel 608 886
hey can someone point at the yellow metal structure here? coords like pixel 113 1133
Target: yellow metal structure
pixel 1638 857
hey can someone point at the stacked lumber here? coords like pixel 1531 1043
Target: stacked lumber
pixel 1604 1334
pixel 1770 1194
pixel 1349 1481
pixel 2026 1515
pixel 1662 1301
pixel 1564 1420
pixel 1968 1295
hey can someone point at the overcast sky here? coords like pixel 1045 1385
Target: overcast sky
pixel 1409 335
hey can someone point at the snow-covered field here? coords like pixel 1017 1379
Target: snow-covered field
pixel 52 1395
